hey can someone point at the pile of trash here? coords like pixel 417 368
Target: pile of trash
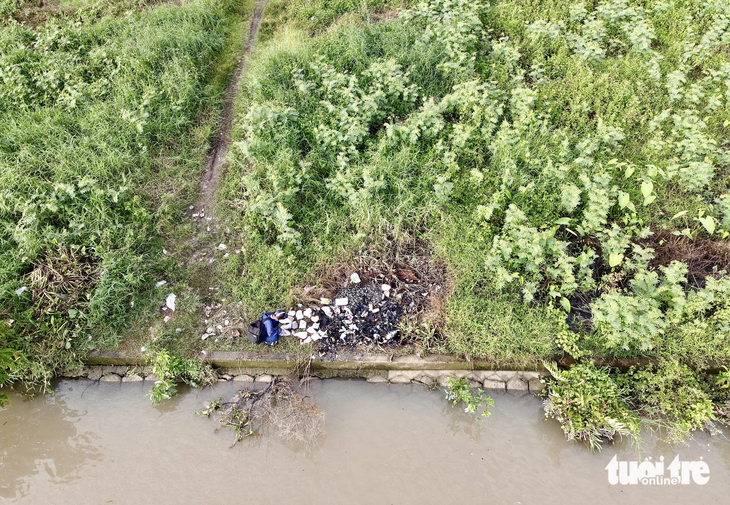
pixel 359 315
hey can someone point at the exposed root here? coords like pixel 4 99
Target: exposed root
pixel 279 407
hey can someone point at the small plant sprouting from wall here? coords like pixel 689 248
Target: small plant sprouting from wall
pixel 460 391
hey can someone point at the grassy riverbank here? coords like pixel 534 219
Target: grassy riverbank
pixel 554 175
pixel 106 116
pixel 566 162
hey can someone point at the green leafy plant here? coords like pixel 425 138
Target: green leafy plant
pixel 460 391
pixel 672 396
pixel 169 368
pixel 589 405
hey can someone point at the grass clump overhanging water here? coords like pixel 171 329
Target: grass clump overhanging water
pixel 595 405
pixel 89 107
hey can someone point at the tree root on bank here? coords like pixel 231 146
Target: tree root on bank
pixel 279 407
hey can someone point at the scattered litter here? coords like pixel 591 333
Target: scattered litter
pixel 324 301
pixel 164 251
pixel 235 334
pixel 205 335
pixel 21 290
pixel 222 246
pixel 178 330
pixel 170 301
pixel 167 318
pixel 160 283
pixel 340 302
pixel 354 278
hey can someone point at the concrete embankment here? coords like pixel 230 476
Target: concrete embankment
pixel 249 367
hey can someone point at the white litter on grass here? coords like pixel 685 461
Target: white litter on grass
pixel 21 290
pixel 341 301
pixel 222 246
pixel 354 278
pixel 167 318
pixel 170 301
pixel 301 334
pixel 160 283
pixel 164 251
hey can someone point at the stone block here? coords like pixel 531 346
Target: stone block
pixel 506 375
pixel 112 377
pixel 95 373
pixel 266 378
pixel 132 378
pixel 245 378
pixel 377 379
pixel 428 379
pixel 410 374
pixel 516 384
pixel 494 384
pixel 536 386
pixel 398 379
pixel 528 376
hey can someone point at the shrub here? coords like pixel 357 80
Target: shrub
pixel 590 405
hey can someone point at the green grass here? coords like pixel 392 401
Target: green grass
pixel 533 163
pixel 102 143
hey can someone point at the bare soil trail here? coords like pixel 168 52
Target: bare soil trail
pixel 222 141
pixel 212 240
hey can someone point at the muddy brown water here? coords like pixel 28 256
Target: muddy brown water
pixel 385 444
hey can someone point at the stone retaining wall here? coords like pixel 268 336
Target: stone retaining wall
pixel 504 380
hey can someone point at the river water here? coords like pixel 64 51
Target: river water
pixel 385 444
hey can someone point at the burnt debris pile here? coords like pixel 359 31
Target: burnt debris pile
pixel 359 315
pixel 362 315
pixel 366 302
